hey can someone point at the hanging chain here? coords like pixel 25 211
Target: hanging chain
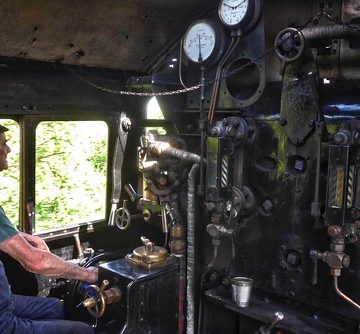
pixel 322 13
pixel 125 92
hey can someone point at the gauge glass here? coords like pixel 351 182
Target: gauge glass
pixel 199 42
pixel 232 12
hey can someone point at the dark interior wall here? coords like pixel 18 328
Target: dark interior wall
pixel 114 34
pixel 36 87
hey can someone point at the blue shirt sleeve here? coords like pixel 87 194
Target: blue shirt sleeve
pixel 7 230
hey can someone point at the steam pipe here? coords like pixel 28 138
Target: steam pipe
pixel 343 296
pixel 190 267
pixel 202 129
pixel 165 148
pixel 182 282
pixel 334 31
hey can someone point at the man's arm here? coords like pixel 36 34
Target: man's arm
pixel 37 260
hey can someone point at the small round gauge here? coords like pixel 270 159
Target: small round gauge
pixel 204 42
pixel 239 14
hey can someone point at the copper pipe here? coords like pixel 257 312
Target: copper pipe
pixel 78 245
pixel 342 295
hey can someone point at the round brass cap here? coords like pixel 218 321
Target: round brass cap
pixel 158 254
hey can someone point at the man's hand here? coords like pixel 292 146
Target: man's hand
pixel 35 241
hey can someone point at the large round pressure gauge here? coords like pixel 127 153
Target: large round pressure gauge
pixel 204 42
pixel 239 14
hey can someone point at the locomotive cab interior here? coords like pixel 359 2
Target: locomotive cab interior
pixel 202 154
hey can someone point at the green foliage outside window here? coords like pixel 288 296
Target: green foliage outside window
pixel 70 180
pixel 9 179
pixel 71 160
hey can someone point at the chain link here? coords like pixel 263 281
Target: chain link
pixel 124 92
pixel 128 93
pixel 321 14
pixel 333 19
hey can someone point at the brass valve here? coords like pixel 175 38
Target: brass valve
pixel 335 258
pixel 177 243
pixel 96 303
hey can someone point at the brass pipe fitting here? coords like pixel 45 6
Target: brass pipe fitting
pixel 177 243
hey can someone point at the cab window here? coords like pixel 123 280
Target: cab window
pixel 70 174
pixel 10 178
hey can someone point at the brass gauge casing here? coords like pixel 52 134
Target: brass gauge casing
pixel 204 42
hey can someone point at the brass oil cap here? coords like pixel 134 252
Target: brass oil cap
pixel 149 252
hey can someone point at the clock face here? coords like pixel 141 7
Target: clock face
pixel 233 12
pixel 199 42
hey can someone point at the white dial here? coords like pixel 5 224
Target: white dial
pixel 232 12
pixel 199 42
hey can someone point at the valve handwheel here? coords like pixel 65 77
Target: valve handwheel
pixel 94 300
pixel 123 217
pixel 289 44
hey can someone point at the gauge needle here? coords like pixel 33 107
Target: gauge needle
pixel 238 4
pixel 225 4
pixel 234 7
pixel 200 56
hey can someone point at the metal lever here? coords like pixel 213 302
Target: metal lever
pixel 315 256
pixel 131 192
pixel 164 222
pixel 266 329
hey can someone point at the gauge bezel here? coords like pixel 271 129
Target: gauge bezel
pixel 252 15
pixel 219 46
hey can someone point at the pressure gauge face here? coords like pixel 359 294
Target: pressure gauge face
pixel 242 14
pixel 203 41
